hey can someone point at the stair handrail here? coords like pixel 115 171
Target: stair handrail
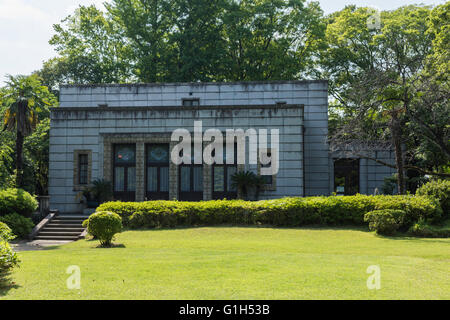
pixel 42 224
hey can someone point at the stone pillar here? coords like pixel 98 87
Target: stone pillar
pixel 173 176
pixel 107 161
pixel 140 171
pixel 207 182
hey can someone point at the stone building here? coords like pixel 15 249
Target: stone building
pixel 122 133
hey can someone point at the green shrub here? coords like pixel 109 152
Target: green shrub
pixel 423 229
pixel 5 232
pixel 8 258
pixel 287 212
pixel 386 221
pixel 104 225
pixel 19 225
pixel 438 189
pixel 17 200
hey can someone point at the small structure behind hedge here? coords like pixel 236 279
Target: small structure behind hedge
pixel 286 212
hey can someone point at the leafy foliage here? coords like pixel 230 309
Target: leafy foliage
pixel 180 40
pixel 426 230
pixel 24 102
pixel 6 232
pixel 20 225
pixel 438 189
pixel 382 89
pixel 8 258
pixel 17 201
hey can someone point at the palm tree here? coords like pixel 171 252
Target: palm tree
pixel 22 99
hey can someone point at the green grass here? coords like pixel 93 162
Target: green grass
pixel 239 263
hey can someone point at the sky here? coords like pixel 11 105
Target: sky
pixel 26 26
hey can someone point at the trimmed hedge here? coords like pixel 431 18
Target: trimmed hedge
pixel 18 201
pixel 438 189
pixel 287 212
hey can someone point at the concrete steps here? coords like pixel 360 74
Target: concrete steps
pixel 63 227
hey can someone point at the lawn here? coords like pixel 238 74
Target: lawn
pixel 239 263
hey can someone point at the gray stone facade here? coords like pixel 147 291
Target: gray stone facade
pixel 92 118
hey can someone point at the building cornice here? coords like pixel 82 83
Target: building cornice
pixel 175 108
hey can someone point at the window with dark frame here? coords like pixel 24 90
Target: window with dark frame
pixel 124 172
pixel 191 180
pixel 221 177
pixel 195 102
pixel 83 167
pixel 157 171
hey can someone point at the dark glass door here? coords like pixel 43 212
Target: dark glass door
pixel 157 172
pixel 191 182
pixel 346 176
pixel 221 176
pixel 125 172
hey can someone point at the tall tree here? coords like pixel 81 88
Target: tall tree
pixel 270 39
pixel 146 25
pixel 198 47
pixel 92 49
pixel 374 73
pixel 24 99
pixel 187 40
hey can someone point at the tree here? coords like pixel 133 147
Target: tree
pixel 375 74
pixel 145 25
pixel 92 48
pixel 197 41
pixel 24 100
pixel 36 148
pixel 270 39
pixel 181 40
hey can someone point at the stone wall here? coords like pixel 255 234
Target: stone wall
pixel 97 128
pixel 313 95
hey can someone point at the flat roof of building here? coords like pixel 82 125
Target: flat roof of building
pixel 194 83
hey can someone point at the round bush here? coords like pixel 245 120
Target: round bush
pixel 19 225
pixel 440 190
pixel 104 225
pixel 385 221
pixel 17 200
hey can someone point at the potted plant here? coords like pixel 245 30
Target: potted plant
pixel 98 192
pixel 101 191
pixel 243 181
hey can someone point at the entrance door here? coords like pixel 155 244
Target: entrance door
pixel 157 172
pixel 191 182
pixel 125 172
pixel 221 176
pixel 346 176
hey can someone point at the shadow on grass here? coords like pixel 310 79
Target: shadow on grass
pixel 6 285
pixel 225 226
pixel 399 236
pixel 407 237
pixel 112 246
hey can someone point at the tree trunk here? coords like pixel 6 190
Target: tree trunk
pixel 397 141
pixel 19 159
